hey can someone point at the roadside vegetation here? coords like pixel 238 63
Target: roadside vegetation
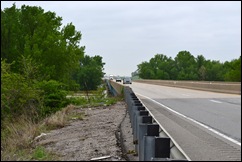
pixel 45 74
pixel 187 67
pixel 18 135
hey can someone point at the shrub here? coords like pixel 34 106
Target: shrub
pixel 54 96
pixel 17 95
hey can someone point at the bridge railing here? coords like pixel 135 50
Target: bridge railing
pixel 224 87
pixel 151 141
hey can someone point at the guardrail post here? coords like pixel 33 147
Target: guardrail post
pixel 133 102
pixel 137 120
pixel 140 133
pixel 133 113
pixel 146 130
pixel 149 145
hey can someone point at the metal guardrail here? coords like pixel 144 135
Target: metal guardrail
pixel 152 142
pixel 110 88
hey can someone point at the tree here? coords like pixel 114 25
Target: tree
pixel 30 31
pixel 10 35
pixel 186 66
pixel 202 73
pixel 145 71
pixel 161 66
pixel 214 71
pixel 201 67
pixel 233 70
pixel 18 95
pixel 90 73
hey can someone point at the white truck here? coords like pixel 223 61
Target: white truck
pixel 110 77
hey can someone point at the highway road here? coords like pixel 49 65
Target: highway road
pixel 206 125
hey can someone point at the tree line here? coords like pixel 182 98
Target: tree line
pixel 187 67
pixel 41 61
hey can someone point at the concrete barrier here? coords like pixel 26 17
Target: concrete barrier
pixel 118 87
pixel 223 87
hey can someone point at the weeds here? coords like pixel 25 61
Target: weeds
pixel 17 136
pixel 39 153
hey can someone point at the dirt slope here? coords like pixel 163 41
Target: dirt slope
pixel 98 135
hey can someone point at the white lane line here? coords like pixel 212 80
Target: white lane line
pixel 215 101
pixel 205 126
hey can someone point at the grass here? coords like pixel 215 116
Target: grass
pixel 17 137
pixel 39 153
pixel 17 141
pixel 77 116
pixel 57 120
pixel 94 101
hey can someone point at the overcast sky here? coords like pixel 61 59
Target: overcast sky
pixel 127 33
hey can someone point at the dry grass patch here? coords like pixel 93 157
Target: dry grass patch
pixel 17 135
pixel 57 120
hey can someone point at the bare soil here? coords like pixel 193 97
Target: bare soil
pixel 104 132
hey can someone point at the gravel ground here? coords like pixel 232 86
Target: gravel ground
pixel 105 132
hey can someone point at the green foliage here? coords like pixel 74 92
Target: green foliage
pixel 29 69
pixel 96 98
pixel 45 62
pixel 145 71
pixel 91 72
pixel 40 62
pixel 186 67
pixel 233 72
pixel 41 154
pixel 111 100
pixel 17 95
pixel 54 96
pixel 78 101
pixel 43 51
pixel 29 31
pixel 94 101
pixel 73 86
pixel 10 34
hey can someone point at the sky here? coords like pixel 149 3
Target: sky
pixel 127 33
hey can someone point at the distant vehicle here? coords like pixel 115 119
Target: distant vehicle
pixel 118 79
pixel 127 80
pixel 111 77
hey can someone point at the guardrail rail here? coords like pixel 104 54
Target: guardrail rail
pixel 152 142
pixel 150 139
